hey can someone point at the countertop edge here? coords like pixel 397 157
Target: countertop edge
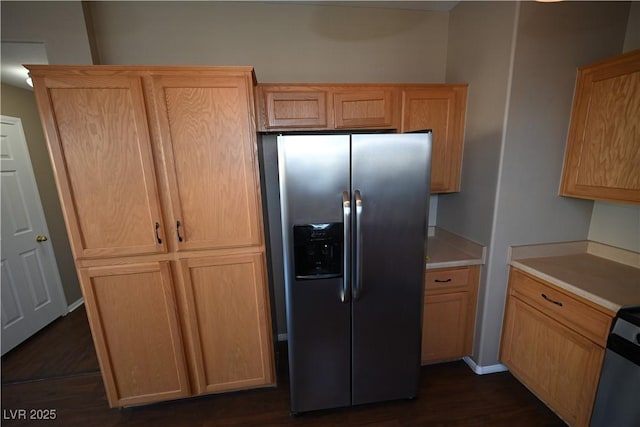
pixel 449 250
pixel 451 264
pixel 601 250
pixel 567 286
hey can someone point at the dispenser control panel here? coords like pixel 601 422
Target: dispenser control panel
pixel 318 250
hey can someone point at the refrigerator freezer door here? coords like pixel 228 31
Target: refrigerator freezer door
pixel 314 173
pixel 391 174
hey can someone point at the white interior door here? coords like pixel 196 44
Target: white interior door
pixel 32 295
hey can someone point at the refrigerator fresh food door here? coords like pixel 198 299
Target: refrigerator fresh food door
pixel 390 186
pixel 314 185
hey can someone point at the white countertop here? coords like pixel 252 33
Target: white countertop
pixel 607 276
pixel 446 250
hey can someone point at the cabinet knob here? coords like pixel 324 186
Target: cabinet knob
pixel 41 238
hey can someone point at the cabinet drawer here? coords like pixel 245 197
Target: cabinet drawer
pixel 566 309
pixel 447 279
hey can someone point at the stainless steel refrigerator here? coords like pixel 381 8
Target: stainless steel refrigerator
pixel 354 219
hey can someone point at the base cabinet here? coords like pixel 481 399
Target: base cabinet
pixel 135 328
pixel 547 354
pixel 228 322
pixel 449 313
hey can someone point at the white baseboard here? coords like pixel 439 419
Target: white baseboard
pixel 481 370
pixel 282 337
pixel 75 305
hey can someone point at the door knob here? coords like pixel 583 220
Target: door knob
pixel 41 238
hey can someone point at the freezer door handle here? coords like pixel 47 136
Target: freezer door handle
pixel 357 288
pixel 346 250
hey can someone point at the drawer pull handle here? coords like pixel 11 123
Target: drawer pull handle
pixel 558 303
pixel 442 281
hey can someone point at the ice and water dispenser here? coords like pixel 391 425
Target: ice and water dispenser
pixel 318 250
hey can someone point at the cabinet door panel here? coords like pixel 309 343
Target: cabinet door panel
pixel 98 136
pixel 210 154
pixel 603 154
pixel 363 109
pixel 444 326
pixel 133 317
pixel 440 109
pixel 557 364
pixel 296 109
pixel 229 323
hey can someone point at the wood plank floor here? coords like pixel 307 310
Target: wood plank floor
pixel 57 369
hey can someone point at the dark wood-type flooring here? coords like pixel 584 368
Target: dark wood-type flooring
pixel 57 369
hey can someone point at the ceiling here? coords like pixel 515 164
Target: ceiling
pixel 16 54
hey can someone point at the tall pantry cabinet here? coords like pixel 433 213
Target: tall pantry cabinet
pixel 157 173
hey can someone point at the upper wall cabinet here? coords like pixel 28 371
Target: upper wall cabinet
pixel 101 150
pixel 290 107
pixel 364 108
pixel 602 160
pixel 440 108
pixel 391 107
pixel 208 146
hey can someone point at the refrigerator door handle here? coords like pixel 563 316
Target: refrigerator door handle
pixel 346 249
pixel 357 288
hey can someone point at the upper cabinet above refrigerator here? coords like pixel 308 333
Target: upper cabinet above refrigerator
pixel 397 108
pixel 602 160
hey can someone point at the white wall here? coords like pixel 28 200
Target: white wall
pixel 616 225
pixel 632 38
pixel 284 42
pixel 60 25
pixel 551 41
pixel 485 65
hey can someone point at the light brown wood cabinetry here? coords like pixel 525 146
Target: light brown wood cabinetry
pixel 364 108
pixel 440 108
pixel 157 172
pixel 133 317
pixel 101 150
pixel 554 343
pixel 227 290
pixel 208 147
pixel 449 313
pixel 602 160
pixel 294 108
pixel 398 107
pixel 304 107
